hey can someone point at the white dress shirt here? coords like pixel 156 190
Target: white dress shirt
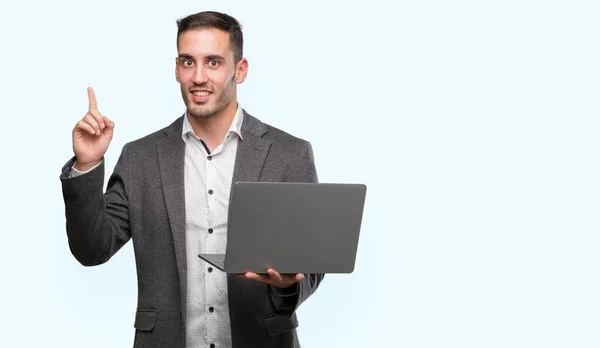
pixel 207 186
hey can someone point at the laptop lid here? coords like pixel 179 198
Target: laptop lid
pixel 294 227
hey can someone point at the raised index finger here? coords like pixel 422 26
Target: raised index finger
pixel 92 99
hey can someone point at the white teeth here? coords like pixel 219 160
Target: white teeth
pixel 201 93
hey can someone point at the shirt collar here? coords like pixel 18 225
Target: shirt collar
pixel 234 128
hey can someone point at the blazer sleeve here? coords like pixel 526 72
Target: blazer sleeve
pixel 286 301
pixel 97 223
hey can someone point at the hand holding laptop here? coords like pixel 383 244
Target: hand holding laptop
pixel 274 278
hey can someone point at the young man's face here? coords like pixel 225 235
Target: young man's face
pixel 206 72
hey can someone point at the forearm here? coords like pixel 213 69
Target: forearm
pixel 96 223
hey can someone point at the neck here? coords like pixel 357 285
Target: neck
pixel 212 130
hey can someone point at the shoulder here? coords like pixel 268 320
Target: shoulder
pixel 149 141
pixel 289 154
pixel 284 138
pixel 277 136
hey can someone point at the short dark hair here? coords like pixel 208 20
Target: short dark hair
pixel 215 20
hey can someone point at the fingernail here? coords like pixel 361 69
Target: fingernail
pixel 102 125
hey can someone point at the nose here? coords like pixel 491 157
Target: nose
pixel 200 75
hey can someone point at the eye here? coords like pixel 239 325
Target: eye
pixel 213 63
pixel 187 62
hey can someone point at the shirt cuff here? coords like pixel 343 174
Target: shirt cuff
pixel 75 172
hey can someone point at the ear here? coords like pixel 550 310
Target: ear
pixel 241 71
pixel 177 69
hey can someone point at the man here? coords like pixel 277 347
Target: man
pixel 169 193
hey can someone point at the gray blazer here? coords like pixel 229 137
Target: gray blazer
pixel 144 201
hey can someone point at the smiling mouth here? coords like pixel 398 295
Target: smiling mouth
pixel 201 93
pixel 201 96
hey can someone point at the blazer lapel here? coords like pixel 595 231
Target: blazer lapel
pixel 171 157
pixel 251 151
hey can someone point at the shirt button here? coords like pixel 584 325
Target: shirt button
pixel 209 269
pixel 210 158
pixel 211 309
pixel 210 192
pixel 210 230
pixel 212 345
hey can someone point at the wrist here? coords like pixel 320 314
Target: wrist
pixel 287 290
pixel 84 167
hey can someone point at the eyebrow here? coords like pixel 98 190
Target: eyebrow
pixel 209 57
pixel 215 57
pixel 184 55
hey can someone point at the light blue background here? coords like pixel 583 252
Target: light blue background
pixel 473 123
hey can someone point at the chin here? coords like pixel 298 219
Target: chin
pixel 200 112
pixel 196 114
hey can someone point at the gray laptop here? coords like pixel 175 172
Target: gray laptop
pixel 292 228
